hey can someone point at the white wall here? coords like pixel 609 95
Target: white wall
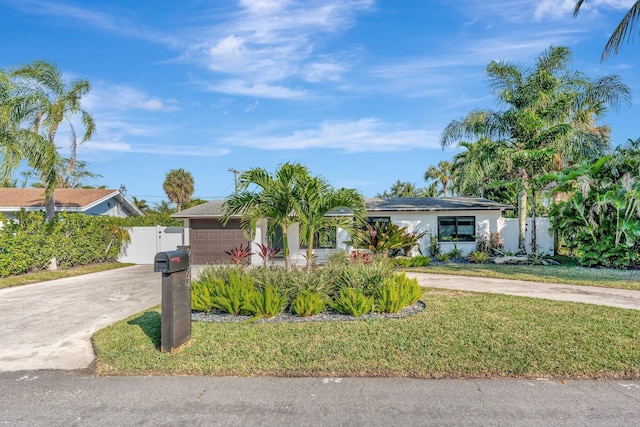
pixel 146 242
pixel 508 227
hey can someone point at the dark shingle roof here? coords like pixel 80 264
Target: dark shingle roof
pixel 433 204
pixel 392 204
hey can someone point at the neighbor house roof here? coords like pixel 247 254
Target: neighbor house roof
pixel 73 200
pixel 213 209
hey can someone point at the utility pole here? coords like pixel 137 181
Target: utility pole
pixel 235 177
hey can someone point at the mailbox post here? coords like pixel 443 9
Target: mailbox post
pixel 175 327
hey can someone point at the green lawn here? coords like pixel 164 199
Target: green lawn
pixel 43 276
pixel 459 334
pixel 608 278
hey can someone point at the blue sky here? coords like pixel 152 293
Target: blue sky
pixel 357 90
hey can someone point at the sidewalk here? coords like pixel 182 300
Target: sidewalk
pixel 621 298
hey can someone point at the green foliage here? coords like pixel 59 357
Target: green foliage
pixel 366 277
pixel 443 257
pixel 434 245
pixel 384 237
pixel 151 219
pixel 308 303
pixel 479 257
pixel 416 261
pixel 352 301
pixel 397 293
pixel 236 296
pixel 600 220
pixel 200 296
pixel 490 243
pixel 268 303
pixel 28 243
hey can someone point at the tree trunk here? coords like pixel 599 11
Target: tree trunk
pixel 534 234
pixel 285 244
pixel 310 253
pixel 522 213
pixel 50 208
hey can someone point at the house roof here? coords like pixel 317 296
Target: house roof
pixel 14 199
pixel 396 204
pixel 213 209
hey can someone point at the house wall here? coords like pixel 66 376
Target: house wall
pixel 110 207
pixel 508 228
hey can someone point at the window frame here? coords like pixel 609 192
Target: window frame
pixel 461 237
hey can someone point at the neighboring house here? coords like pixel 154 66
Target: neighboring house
pixel 460 218
pixel 87 201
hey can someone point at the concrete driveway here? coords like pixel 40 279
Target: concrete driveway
pixel 49 325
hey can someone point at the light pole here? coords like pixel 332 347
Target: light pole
pixel 235 178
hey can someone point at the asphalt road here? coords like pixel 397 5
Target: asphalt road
pixel 66 398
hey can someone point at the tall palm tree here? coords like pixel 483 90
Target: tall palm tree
pixel 178 184
pixel 315 199
pixel 623 30
pixel 273 199
pixel 441 174
pixel 550 111
pixel 48 101
pixel 405 189
pixel 474 168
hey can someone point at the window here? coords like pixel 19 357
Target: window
pixel 372 220
pixel 324 239
pixel 456 227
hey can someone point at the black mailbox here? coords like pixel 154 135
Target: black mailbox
pixel 171 261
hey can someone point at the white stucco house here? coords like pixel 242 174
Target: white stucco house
pixel 88 201
pixel 462 218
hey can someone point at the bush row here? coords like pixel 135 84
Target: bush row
pixel 353 288
pixel 28 243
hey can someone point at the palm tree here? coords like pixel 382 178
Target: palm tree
pixel 274 199
pixel 405 189
pixel 141 204
pixel 441 174
pixel 315 199
pixel 178 184
pixel 551 112
pixel 622 31
pixel 48 101
pixel 474 168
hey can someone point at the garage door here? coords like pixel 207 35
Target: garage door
pixel 209 239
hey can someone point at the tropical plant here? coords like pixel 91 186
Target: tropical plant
pixel 274 200
pixel 478 257
pixel 406 189
pixel 239 254
pixel 623 30
pixel 548 124
pixel 443 257
pixel 308 303
pixel 600 219
pixel 200 296
pixel 178 185
pixel 385 237
pixel 397 293
pixel 268 303
pixel 441 175
pixel 267 252
pixel 47 101
pixel 317 206
pixel 234 296
pixel 352 301
pixel 434 245
pixel 490 243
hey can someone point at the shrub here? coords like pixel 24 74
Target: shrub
pixel 366 277
pixel 268 303
pixel 490 243
pixel 397 293
pixel 308 303
pixel 417 261
pixel 200 296
pixel 235 296
pixel 352 301
pixel 434 246
pixel 240 254
pixel 479 257
pixel 385 237
pixel 443 257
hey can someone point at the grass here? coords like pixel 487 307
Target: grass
pixel 572 275
pixel 43 276
pixel 459 334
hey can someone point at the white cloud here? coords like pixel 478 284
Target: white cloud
pixel 182 150
pixel 269 41
pixel 369 134
pixel 122 97
pixel 259 90
pixel 558 9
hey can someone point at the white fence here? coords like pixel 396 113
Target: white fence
pixel 508 227
pixel 146 242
